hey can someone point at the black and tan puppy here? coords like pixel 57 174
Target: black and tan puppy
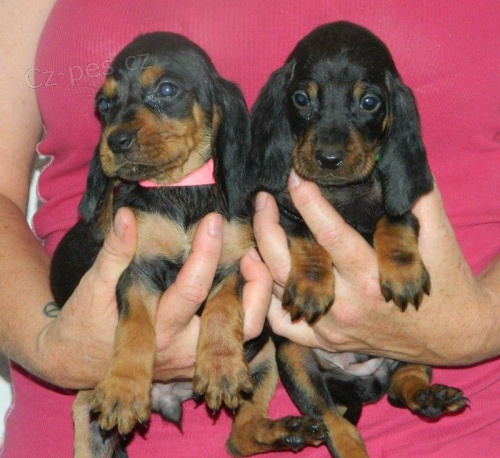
pixel 165 114
pixel 338 114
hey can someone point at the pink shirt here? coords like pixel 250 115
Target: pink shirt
pixel 447 51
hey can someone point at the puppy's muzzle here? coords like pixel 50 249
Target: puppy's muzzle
pixel 121 141
pixel 329 158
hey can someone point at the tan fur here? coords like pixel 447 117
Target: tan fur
pixel 221 370
pixel 105 216
pixel 358 90
pixel 311 277
pixel 399 260
pixel 312 90
pixel 253 432
pixel 151 75
pixel 160 236
pixel 157 235
pixel 173 147
pixel 123 396
pixel 110 87
pixel 81 419
pixel 238 239
pixel 407 381
pixel 344 436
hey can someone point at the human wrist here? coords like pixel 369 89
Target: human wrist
pixel 478 318
pixel 47 364
pixel 60 360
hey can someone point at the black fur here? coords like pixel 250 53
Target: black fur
pixel 337 66
pixel 337 56
pixel 190 69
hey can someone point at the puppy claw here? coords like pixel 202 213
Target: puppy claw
pixel 222 380
pixel 437 400
pixel 288 433
pixel 301 431
pixel 120 404
pixel 306 299
pixel 405 287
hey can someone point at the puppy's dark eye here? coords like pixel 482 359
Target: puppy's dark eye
pixel 300 99
pixel 369 103
pixel 168 89
pixel 104 104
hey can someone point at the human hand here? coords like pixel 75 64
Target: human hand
pixel 451 326
pixel 178 326
pixel 77 345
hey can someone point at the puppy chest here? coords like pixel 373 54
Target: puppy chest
pixel 160 236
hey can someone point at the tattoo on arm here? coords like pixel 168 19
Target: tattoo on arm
pixel 51 310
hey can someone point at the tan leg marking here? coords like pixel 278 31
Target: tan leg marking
pixel 344 436
pixel 341 435
pixel 89 442
pixel 310 289
pixel 403 276
pixel 410 386
pixel 253 432
pixel 221 371
pixel 123 396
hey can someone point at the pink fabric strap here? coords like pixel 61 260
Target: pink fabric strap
pixel 201 176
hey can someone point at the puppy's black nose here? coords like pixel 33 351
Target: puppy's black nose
pixel 330 159
pixel 120 141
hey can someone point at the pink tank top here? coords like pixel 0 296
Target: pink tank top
pixel 447 51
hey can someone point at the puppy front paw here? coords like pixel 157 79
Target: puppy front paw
pixel 222 377
pixel 310 289
pixel 122 401
pixel 309 294
pixel 404 279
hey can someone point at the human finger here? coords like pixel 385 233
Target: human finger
pixel 257 293
pixel 89 330
pixel 192 285
pixel 348 250
pixel 119 246
pixel 271 238
pixel 297 331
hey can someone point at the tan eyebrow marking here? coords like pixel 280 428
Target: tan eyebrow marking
pixel 109 88
pixel 150 75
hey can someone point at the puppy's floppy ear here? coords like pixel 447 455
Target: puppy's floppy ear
pixel 232 141
pixel 269 162
pixel 403 162
pixel 97 186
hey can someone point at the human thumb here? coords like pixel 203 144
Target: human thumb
pixel 118 248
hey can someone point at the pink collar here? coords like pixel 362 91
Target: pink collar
pixel 201 176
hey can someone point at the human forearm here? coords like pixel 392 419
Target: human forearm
pixel 489 281
pixel 24 265
pixel 24 287
pixel 70 348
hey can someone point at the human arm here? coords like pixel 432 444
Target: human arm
pixel 457 324
pixel 24 264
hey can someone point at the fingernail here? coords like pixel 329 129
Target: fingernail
pixel 294 180
pixel 118 226
pixel 260 201
pixel 254 254
pixel 215 225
